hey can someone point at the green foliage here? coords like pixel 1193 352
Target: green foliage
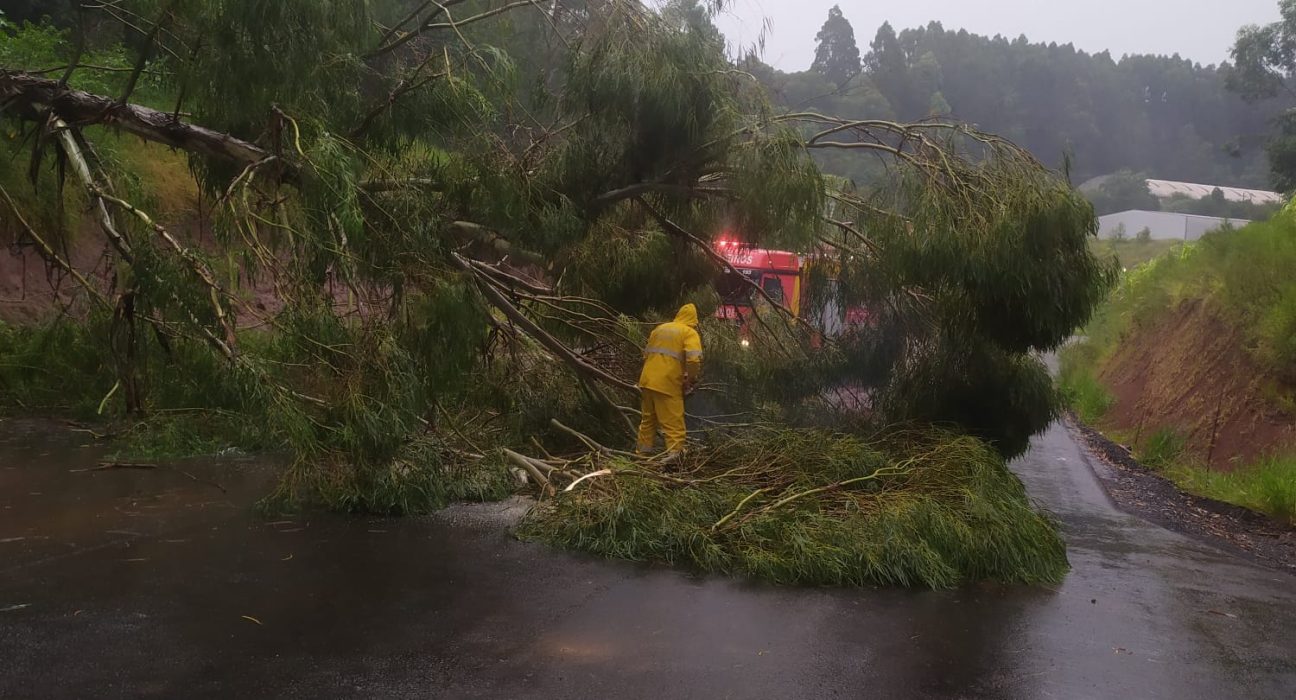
pixel 1162 449
pixel 1083 392
pixel 172 434
pixel 391 220
pixel 1216 205
pixel 423 478
pixel 1277 335
pixel 1281 152
pixel 998 279
pixel 1132 253
pixel 934 511
pixel 1268 486
pixel 59 366
pixel 837 57
pixel 194 406
pixel 1164 115
pixel 1123 191
pixel 1263 65
pixel 300 54
pixel 626 271
pixel 1262 56
pixel 1001 397
pixel 26 45
pixel 1245 273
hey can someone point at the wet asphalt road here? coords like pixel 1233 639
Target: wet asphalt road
pixel 131 583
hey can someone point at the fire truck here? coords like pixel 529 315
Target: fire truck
pixel 777 272
pixel 782 276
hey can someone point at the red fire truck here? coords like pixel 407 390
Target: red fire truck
pixel 781 275
pixel 777 272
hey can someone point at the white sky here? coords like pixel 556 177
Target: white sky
pixel 1201 30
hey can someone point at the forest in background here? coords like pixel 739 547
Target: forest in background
pixel 1164 116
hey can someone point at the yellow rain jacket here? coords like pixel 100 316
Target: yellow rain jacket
pixel 674 353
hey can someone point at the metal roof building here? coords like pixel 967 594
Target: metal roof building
pixel 1163 225
pixel 1164 189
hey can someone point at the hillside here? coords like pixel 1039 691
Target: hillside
pixel 1193 364
pixel 31 290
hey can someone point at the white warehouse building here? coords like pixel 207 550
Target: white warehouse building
pixel 1162 225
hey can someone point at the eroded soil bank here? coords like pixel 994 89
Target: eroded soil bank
pixel 1190 372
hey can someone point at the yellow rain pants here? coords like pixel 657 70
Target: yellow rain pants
pixel 664 413
pixel 672 362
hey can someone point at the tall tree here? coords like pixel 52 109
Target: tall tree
pixel 837 56
pixel 888 66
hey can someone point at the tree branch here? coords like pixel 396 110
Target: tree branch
pixel 34 96
pixel 677 230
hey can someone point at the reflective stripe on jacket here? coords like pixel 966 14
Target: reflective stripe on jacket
pixel 674 351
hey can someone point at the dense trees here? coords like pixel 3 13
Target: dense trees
pixel 1123 191
pixel 1165 116
pixel 1264 69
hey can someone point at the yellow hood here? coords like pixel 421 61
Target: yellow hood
pixel 687 315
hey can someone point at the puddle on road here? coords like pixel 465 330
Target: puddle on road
pixel 55 499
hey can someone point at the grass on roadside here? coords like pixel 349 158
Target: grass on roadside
pixel 1132 252
pixel 1080 387
pixel 1268 486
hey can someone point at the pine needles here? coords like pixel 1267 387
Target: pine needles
pixel 919 508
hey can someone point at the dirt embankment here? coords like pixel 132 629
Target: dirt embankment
pixel 1191 372
pixel 31 290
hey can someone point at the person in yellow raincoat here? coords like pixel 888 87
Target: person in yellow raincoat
pixel 672 367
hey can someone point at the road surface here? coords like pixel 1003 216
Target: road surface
pixel 129 583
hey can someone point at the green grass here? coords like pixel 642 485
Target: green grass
pixel 1268 486
pixel 1132 252
pixel 1081 389
pixel 1162 450
pixel 1246 273
pixel 930 510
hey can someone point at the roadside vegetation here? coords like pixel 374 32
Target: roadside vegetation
pixel 1131 252
pixel 433 233
pixel 1244 278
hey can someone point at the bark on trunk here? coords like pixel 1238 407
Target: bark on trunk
pixel 33 95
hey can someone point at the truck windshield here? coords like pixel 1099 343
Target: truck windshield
pixel 734 291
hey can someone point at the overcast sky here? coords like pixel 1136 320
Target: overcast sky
pixel 1201 30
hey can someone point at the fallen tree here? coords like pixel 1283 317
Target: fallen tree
pixel 506 215
pixel 909 508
